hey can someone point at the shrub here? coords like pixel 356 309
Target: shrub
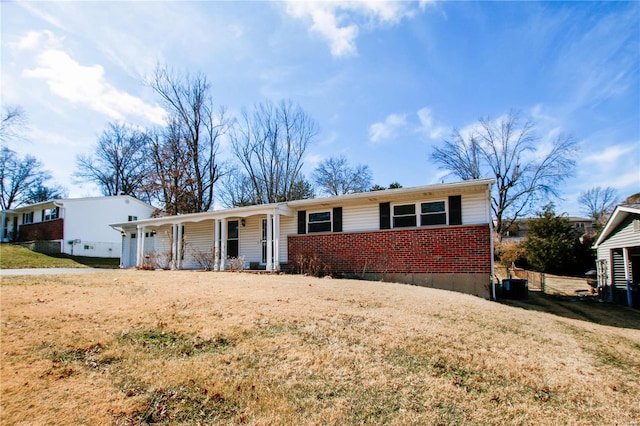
pixel 235 263
pixel 311 264
pixel 205 259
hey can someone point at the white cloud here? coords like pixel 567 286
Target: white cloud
pixel 610 155
pixel 34 39
pixel 388 128
pixel 339 22
pixel 428 126
pixel 86 85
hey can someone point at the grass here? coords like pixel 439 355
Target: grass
pixel 17 257
pixel 179 347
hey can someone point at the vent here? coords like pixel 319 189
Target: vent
pixel 636 225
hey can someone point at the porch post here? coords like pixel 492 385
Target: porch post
pixel 216 244
pixel 174 250
pixel 140 246
pixel 276 241
pixel 179 246
pixel 269 242
pixel 627 275
pixel 223 243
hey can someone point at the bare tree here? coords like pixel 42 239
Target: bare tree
pixel 169 180
pixel 237 190
pixel 269 144
pixel 12 124
pixel 120 164
pixel 18 176
pixel 334 176
pixel 506 150
pixel 198 129
pixel 598 203
pixel 41 192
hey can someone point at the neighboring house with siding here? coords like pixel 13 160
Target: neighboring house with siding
pixel 75 226
pixel 618 250
pixel 435 235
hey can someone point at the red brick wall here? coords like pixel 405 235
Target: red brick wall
pixel 451 249
pixel 50 230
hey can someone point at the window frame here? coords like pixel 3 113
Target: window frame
pixel 325 221
pixel 418 215
pixel 444 212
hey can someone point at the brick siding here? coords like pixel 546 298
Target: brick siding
pixel 444 250
pixel 50 230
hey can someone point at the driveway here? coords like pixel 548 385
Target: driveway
pixel 47 271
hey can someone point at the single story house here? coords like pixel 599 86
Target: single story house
pixel 75 226
pixel 435 235
pixel 618 255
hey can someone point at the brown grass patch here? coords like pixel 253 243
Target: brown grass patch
pixel 137 347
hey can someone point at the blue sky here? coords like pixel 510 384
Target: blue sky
pixel 386 81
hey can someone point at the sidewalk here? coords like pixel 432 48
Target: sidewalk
pixel 47 271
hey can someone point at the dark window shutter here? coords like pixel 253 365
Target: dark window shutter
pixel 337 219
pixel 385 215
pixel 302 222
pixel 455 210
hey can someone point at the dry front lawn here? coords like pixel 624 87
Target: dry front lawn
pixel 136 347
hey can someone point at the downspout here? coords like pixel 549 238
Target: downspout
pixel 627 275
pixel 493 272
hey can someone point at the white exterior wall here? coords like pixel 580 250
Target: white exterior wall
pixel 88 220
pixel 623 237
pixel 250 245
pixel 474 209
pixel 288 226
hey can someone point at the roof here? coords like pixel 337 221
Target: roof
pixel 285 208
pixel 618 216
pixel 61 201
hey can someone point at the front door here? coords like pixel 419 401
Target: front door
pixel 263 241
pixel 232 238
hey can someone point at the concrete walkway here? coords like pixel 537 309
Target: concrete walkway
pixel 47 271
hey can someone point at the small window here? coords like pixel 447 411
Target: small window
pixel 404 216
pixel 133 218
pixel 320 222
pixel 433 214
pixel 50 214
pixel 27 217
pixel 88 247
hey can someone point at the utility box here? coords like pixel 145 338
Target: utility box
pixel 513 288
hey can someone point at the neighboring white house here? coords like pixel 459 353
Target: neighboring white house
pixel 434 235
pixel 77 226
pixel 618 248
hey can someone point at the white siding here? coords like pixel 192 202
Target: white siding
pixel 197 236
pixel 474 209
pixel 288 226
pixel 361 218
pixel 251 239
pixel 624 236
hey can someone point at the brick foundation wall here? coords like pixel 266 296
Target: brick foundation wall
pixel 446 250
pixel 50 230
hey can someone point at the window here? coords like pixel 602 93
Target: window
pixel 404 215
pixel 49 214
pixel 320 222
pixel 433 214
pixel 232 238
pixel 133 218
pixel 27 218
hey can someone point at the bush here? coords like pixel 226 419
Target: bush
pixel 311 264
pixel 235 263
pixel 205 259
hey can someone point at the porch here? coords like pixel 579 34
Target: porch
pixel 245 238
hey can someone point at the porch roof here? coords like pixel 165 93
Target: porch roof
pixel 240 212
